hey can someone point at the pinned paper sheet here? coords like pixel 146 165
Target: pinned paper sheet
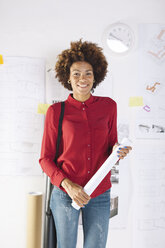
pixel 136 101
pixel 1 59
pixel 42 108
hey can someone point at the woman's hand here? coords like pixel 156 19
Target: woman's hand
pixel 75 192
pixel 122 153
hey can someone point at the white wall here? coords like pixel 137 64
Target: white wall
pixel 42 29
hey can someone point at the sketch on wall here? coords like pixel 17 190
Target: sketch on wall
pixel 151 117
pixel 149 210
pixel 121 184
pixel 156 46
pixel 150 128
pixel 22 82
pixel 149 213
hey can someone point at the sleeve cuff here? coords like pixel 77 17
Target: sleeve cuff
pixel 57 178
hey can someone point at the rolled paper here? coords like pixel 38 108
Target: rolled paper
pixel 103 170
pixel 34 219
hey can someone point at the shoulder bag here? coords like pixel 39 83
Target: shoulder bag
pixel 49 232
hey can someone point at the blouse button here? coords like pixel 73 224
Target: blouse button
pixel 83 108
pixel 89 145
pixel 88 158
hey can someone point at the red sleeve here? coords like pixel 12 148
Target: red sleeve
pixel 113 127
pixel 48 148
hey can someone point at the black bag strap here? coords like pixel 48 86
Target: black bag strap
pixel 48 211
pixel 59 130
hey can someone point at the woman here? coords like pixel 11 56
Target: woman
pixel 89 134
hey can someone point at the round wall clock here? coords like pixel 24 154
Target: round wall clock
pixel 118 38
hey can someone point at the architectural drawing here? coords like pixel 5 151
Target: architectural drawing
pixel 22 81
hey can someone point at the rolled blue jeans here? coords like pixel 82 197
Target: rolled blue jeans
pixel 95 220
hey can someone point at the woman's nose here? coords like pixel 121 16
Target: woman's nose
pixel 82 77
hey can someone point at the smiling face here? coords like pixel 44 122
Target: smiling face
pixel 81 78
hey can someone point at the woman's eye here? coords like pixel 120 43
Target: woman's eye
pixel 89 74
pixel 76 74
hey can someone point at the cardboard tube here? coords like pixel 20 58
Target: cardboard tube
pixel 34 219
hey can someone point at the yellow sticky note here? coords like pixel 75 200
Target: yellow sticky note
pixel 1 59
pixel 135 101
pixel 42 108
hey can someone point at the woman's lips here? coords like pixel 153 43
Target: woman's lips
pixel 83 86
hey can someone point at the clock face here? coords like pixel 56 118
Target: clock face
pixel 119 38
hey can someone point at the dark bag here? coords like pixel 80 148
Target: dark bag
pixel 50 239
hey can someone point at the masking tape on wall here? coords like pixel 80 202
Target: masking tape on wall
pixel 42 108
pixel 34 219
pixel 1 59
pixel 136 101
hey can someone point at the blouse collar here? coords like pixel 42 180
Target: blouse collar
pixel 78 104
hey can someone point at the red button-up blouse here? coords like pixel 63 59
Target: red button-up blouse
pixel 89 131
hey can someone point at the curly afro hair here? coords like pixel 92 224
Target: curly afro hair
pixel 81 51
